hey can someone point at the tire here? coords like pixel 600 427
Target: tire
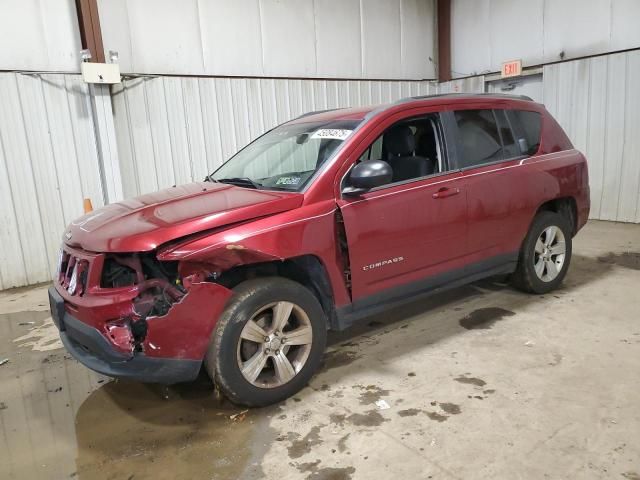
pixel 529 275
pixel 235 353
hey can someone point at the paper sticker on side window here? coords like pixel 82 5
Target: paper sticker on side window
pixel 332 133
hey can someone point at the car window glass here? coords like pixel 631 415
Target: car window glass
pixel 374 152
pixel 287 157
pixel 509 147
pixel 528 124
pixel 410 147
pixel 479 137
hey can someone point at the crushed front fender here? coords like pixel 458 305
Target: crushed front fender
pixel 185 331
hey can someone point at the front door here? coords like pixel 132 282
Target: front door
pixel 410 234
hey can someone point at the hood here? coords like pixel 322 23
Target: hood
pixel 143 223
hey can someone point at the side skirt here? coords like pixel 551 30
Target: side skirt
pixel 379 302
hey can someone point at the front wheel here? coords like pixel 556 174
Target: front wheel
pixel 268 342
pixel 545 255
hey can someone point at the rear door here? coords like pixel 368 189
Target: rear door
pixel 490 155
pixel 403 235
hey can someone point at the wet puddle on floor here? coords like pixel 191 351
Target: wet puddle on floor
pixel 60 420
pixel 130 428
pixel 42 335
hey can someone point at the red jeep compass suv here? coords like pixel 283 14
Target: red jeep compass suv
pixel 320 221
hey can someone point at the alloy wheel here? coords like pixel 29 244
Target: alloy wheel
pixel 550 252
pixel 274 344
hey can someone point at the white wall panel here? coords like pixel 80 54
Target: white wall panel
pixel 381 38
pixel 39 35
pixel 597 103
pixel 231 36
pixel 470 37
pixel 173 130
pixel 48 164
pixel 516 31
pixel 624 20
pixel 170 41
pixel 288 36
pixel 114 24
pixel 576 27
pixel 417 42
pixel 339 45
pixel 486 33
pixel 281 38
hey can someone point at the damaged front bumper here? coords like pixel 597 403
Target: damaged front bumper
pixel 174 344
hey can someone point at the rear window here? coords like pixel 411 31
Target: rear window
pixel 527 126
pixel 479 137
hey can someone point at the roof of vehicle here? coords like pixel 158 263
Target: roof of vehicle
pixel 359 113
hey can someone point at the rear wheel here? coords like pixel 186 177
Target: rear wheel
pixel 545 255
pixel 268 342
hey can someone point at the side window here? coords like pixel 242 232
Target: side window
pixel 411 147
pixel 479 137
pixel 509 147
pixel 527 126
pixel 374 152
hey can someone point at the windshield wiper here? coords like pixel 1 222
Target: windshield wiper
pixel 209 178
pixel 240 182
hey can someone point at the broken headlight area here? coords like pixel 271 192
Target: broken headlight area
pixel 159 285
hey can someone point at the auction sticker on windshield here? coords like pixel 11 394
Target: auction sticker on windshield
pixel 288 181
pixel 332 133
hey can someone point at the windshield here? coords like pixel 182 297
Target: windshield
pixel 286 157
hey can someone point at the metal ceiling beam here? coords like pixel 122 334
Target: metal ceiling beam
pixel 90 33
pixel 444 40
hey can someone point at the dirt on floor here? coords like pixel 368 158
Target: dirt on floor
pixel 478 382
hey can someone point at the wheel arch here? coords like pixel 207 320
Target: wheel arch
pixel 307 270
pixel 565 206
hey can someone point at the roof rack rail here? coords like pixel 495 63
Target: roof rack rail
pixel 436 95
pixel 316 112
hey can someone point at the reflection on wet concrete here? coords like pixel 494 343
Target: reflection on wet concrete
pixel 459 385
pixel 40 390
pixel 60 420
pixel 155 432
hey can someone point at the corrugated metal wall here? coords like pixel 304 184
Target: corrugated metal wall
pixel 48 164
pixel 463 85
pixel 172 130
pixel 597 102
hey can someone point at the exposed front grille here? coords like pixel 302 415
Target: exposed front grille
pixel 72 272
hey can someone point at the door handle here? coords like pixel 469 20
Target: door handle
pixel 445 192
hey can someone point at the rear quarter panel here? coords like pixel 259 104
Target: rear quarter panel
pixel 503 197
pixel 542 178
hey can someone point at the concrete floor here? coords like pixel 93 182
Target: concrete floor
pixel 481 382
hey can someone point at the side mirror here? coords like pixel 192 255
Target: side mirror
pixel 367 175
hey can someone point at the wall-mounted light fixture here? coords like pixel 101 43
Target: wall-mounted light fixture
pixel 85 55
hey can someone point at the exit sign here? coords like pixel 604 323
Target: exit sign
pixel 511 69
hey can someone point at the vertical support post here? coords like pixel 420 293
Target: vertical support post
pixel 91 38
pixel 444 40
pixel 90 32
pixel 106 141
